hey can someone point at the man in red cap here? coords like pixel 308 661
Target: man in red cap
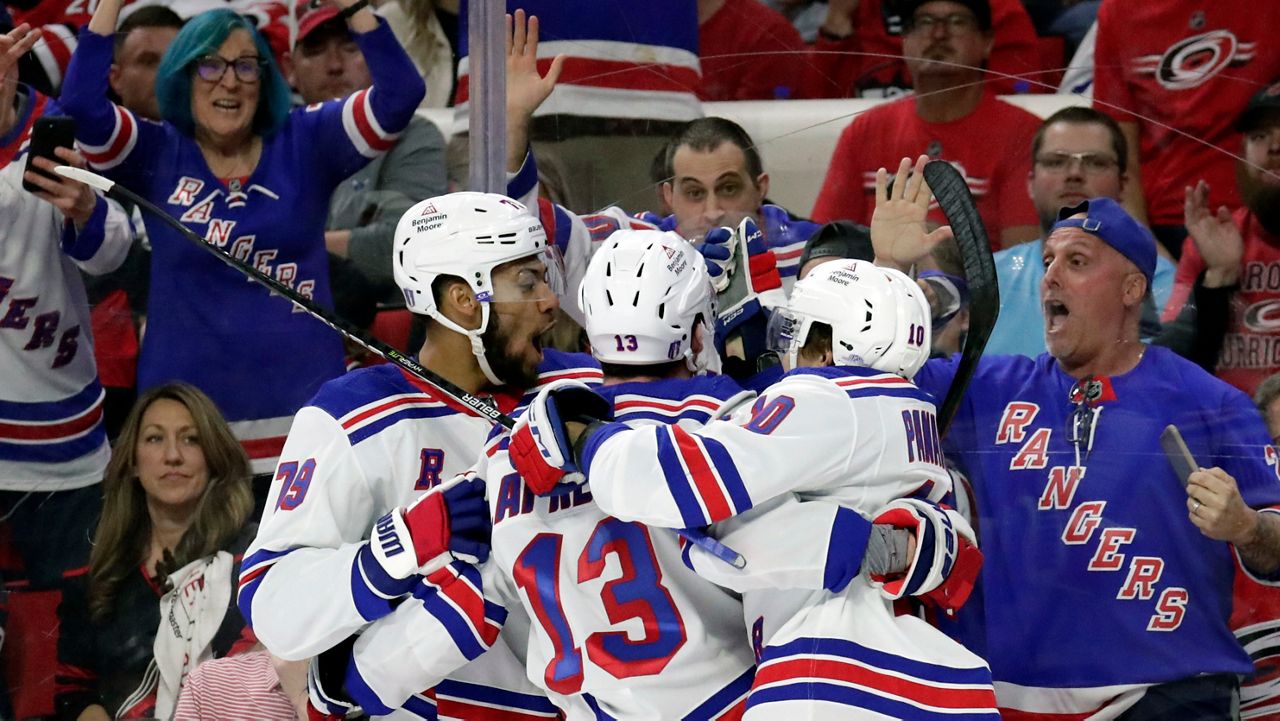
pixel 326 63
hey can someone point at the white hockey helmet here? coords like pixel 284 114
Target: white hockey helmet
pixel 879 317
pixel 645 295
pixel 466 235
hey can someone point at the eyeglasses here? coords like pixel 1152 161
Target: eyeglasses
pixel 955 23
pixel 212 68
pixel 1090 162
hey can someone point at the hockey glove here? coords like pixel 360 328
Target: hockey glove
pixel 946 562
pixel 761 261
pixel 326 698
pixel 420 538
pixel 717 248
pixel 541 448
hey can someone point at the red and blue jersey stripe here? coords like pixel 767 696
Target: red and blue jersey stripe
pixel 846 673
pixel 52 431
pixel 702 477
pixel 454 597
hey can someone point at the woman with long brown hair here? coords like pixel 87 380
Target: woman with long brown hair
pixel 177 497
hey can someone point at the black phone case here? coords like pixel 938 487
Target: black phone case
pixel 47 134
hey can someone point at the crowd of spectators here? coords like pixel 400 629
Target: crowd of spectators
pixel 149 389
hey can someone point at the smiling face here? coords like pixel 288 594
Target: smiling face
pixel 523 308
pixel 1089 295
pixel 223 110
pixel 170 460
pixel 712 188
pixel 1058 181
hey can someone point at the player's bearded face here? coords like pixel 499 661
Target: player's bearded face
pixel 523 309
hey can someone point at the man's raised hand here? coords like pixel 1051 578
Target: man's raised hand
pixel 898 225
pixel 1215 235
pixel 526 87
pixel 13 45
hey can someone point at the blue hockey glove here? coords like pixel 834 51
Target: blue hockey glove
pixel 946 562
pixel 541 448
pixel 717 248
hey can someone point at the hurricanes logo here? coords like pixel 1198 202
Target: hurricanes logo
pixel 1260 691
pixel 1263 316
pixel 1190 62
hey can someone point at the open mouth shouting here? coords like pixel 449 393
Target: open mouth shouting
pixel 1055 315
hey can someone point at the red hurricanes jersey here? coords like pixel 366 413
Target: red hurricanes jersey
pixel 990 147
pixel 1251 349
pixel 1187 69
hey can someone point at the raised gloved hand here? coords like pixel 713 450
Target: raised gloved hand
pixel 718 248
pixel 541 447
pixel 721 246
pixel 450 521
pixel 946 562
pixel 761 262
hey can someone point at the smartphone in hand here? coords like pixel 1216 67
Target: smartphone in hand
pixel 1175 449
pixel 47 134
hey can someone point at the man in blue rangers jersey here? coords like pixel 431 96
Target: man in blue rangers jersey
pixel 1108 584
pixel 846 425
pixel 327 561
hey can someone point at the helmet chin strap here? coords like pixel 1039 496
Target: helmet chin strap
pixel 476 338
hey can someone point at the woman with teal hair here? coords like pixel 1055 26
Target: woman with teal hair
pixel 236 165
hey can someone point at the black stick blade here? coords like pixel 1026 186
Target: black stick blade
pixel 952 193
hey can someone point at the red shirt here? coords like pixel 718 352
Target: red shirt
pixel 1255 620
pixel 1251 349
pixel 1192 66
pixel 749 52
pixel 991 147
pixel 871 58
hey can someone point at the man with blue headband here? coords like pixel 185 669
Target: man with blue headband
pixel 1108 582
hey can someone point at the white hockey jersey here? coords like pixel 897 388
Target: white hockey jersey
pixel 370 441
pixel 619 626
pixel 51 435
pixel 862 439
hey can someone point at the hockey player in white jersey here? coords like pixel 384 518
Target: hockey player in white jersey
pixel 846 425
pixel 358 514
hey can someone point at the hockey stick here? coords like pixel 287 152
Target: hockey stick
pixel 479 406
pixel 953 195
